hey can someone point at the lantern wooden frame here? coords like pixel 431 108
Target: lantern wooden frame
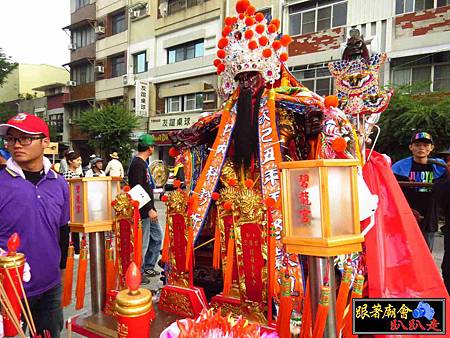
pixel 326 244
pixel 85 224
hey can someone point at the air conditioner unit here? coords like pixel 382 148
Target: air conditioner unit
pixel 100 69
pixel 71 83
pixel 128 80
pixel 72 46
pixel 99 29
pixel 163 8
pixel 135 14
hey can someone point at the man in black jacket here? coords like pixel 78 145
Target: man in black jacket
pixel 138 173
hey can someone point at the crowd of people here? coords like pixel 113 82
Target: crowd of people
pixel 34 202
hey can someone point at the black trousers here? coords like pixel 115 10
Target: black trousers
pixel 47 312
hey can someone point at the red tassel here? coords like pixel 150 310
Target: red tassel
pixel 216 252
pixel 228 279
pixel 341 301
pixel 189 248
pixel 322 312
pixel 81 278
pixel 305 331
pixel 139 245
pixel 109 267
pixel 356 293
pixel 165 249
pixel 137 241
pixel 68 279
pixel 286 307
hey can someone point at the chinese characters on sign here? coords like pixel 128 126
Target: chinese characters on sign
pixel 172 121
pixel 303 198
pixel 385 316
pixel 142 91
pixel 78 199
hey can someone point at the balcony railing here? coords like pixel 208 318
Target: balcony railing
pixel 174 6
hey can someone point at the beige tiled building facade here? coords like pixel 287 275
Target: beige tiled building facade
pixel 156 56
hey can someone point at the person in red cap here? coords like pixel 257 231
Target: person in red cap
pixel 34 203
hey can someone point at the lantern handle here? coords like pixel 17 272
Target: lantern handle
pixel 374 142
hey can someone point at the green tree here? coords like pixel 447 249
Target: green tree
pixel 412 110
pixel 6 67
pixel 109 129
pixel 6 113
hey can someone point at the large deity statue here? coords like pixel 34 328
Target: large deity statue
pixel 267 118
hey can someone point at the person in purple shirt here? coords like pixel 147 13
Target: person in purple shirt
pixel 34 202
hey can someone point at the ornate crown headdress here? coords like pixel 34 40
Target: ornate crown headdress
pixel 250 43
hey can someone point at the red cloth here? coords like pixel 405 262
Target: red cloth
pixel 399 262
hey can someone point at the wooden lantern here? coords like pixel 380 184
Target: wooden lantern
pixel 320 207
pixel 90 203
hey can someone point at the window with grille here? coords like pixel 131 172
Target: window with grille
pixel 83 37
pixel 185 51
pixel 313 16
pixel 315 77
pixel 140 62
pixel 434 69
pixel 408 6
pixel 118 22
pixel 118 66
pixel 82 74
pixel 184 103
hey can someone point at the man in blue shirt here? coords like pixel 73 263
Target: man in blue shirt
pixel 34 202
pixel 420 168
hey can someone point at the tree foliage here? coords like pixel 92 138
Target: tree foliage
pixel 109 129
pixel 6 113
pixel 6 67
pixel 412 110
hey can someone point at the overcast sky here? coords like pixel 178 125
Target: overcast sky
pixel 31 30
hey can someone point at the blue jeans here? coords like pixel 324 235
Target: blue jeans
pixel 47 311
pixel 151 243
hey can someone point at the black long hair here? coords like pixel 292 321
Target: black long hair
pixel 245 132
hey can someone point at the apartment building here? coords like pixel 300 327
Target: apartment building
pixel 51 107
pixel 182 72
pixel 81 96
pixel 414 33
pixel 21 81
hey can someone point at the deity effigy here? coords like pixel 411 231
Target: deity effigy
pixel 232 160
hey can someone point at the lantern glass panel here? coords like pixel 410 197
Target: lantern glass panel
pixel 341 204
pixel 77 201
pixel 305 218
pixel 98 201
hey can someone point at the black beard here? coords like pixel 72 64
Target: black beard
pixel 245 134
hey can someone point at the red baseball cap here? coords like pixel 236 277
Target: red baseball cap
pixel 27 123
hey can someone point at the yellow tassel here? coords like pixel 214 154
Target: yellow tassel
pixel 165 249
pixel 322 312
pixel 228 279
pixel 81 279
pixel 341 301
pixel 68 279
pixel 216 252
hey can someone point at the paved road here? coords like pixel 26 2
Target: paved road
pixel 156 283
